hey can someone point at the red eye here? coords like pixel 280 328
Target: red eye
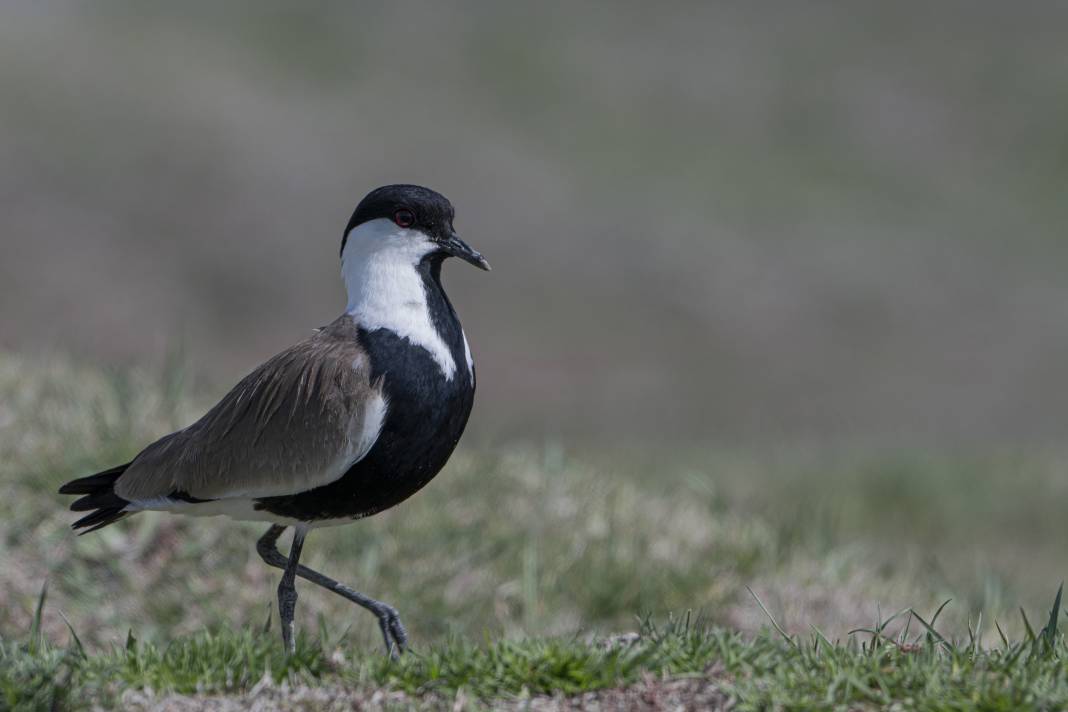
pixel 404 218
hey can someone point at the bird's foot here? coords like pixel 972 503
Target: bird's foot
pixel 393 633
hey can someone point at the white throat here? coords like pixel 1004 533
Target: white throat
pixel 386 291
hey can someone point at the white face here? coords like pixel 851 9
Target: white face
pixel 384 241
pixel 379 266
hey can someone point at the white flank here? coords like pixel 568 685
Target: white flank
pixel 240 509
pixel 361 441
pixel 385 289
pixel 467 355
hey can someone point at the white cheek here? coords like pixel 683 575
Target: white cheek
pixel 385 289
pixel 384 241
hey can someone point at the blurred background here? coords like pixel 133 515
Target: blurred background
pixel 713 222
pixel 796 233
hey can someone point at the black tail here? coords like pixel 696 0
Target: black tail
pixel 99 491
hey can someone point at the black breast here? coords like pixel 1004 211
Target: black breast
pixel 425 418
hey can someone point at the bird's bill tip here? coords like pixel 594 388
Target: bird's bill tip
pixel 458 248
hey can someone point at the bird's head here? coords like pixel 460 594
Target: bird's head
pixel 405 223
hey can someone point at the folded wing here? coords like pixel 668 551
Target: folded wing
pixel 297 422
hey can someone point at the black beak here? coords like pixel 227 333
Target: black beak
pixel 456 247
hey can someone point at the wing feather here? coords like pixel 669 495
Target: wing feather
pixel 297 422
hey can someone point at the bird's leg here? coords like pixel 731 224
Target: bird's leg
pixel 389 622
pixel 287 591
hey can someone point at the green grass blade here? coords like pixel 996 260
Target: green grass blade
pixel 771 618
pixel 1004 640
pixel 267 622
pixel 1049 633
pixel 934 618
pixel 930 629
pixel 74 637
pixel 36 634
pixel 1027 626
pixel 821 638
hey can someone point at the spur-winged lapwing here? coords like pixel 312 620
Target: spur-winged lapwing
pixel 343 425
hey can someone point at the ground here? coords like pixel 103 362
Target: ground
pixel 517 569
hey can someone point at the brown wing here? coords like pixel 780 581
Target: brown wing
pixel 297 422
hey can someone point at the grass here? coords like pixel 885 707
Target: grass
pixel 493 546
pixel 914 666
pixel 515 562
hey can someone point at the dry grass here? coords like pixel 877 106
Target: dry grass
pixel 521 539
pixel 507 545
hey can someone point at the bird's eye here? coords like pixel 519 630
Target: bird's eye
pixel 404 218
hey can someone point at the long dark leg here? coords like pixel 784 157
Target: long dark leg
pixel 287 592
pixel 389 622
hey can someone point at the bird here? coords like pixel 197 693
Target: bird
pixel 349 422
